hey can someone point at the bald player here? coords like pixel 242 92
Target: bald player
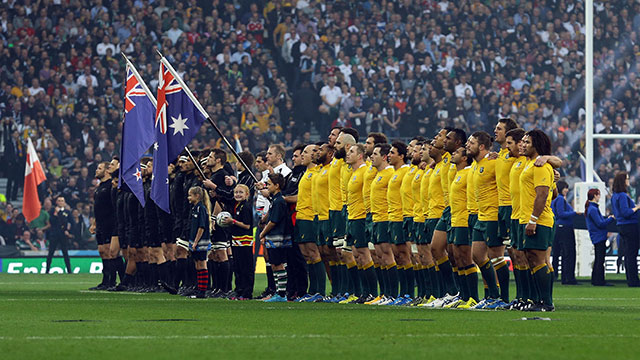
pixel 345 140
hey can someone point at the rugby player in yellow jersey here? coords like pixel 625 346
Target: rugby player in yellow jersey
pixel 424 232
pixel 408 204
pixel 518 259
pixel 536 215
pixel 357 212
pixel 448 141
pixel 468 279
pixel 418 217
pixel 503 167
pixel 306 233
pixel 320 190
pixel 372 139
pixel 380 218
pixel 401 251
pixel 346 139
pixel 435 206
pixel 485 231
pixel 336 221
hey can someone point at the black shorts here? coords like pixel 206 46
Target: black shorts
pixel 153 241
pixel 199 255
pixel 103 237
pixel 278 256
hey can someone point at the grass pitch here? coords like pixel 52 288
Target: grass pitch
pixel 52 316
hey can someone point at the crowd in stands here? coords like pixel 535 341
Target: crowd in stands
pixel 271 72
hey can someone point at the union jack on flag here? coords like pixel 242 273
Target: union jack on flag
pixel 167 85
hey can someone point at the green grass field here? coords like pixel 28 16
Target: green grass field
pixel 52 316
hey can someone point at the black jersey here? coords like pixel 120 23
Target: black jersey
pixel 103 210
pixel 151 232
pixel 176 197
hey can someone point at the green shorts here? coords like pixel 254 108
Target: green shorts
pixel 381 232
pixel 541 240
pixel 397 232
pixel 473 219
pixel 337 223
pixel 305 231
pixel 408 227
pixel 516 237
pixel 368 228
pixel 461 236
pixel 324 232
pixel 445 220
pixel 356 233
pixel 429 228
pixel 487 231
pixel 418 232
pixel 504 223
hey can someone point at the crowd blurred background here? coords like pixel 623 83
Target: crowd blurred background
pixel 286 71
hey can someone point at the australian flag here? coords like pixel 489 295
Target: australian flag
pixel 138 133
pixel 177 122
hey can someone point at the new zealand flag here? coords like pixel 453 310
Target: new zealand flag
pixel 177 122
pixel 138 133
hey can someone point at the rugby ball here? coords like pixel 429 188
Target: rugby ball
pixel 222 218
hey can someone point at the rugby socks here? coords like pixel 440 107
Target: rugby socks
pixel 281 282
pixel 430 280
pixel 410 279
pixel 552 274
pixel 202 276
pixel 211 274
pixel 402 277
pixel 181 265
pixel 446 273
pixel 105 271
pixel 518 276
pixel 354 279
pixel 384 280
pixel 321 277
pixel 534 292
pixel 370 284
pixel 437 282
pixel 271 281
pixel 118 264
pixel 461 277
pixel 378 270
pixel 317 282
pixel 489 276
pixel 335 277
pixel 456 278
pixel 223 272
pixel 502 273
pixel 417 268
pixel 393 280
pixel 472 281
pixel 543 277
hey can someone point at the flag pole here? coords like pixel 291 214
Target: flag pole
pixel 204 112
pixel 155 104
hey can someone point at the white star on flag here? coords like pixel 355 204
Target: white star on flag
pixel 155 146
pixel 179 125
pixel 138 175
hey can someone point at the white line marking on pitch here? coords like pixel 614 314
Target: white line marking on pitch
pixel 306 336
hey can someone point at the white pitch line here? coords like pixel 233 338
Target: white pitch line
pixel 311 336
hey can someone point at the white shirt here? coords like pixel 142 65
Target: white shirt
pixel 331 95
pixel 262 203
